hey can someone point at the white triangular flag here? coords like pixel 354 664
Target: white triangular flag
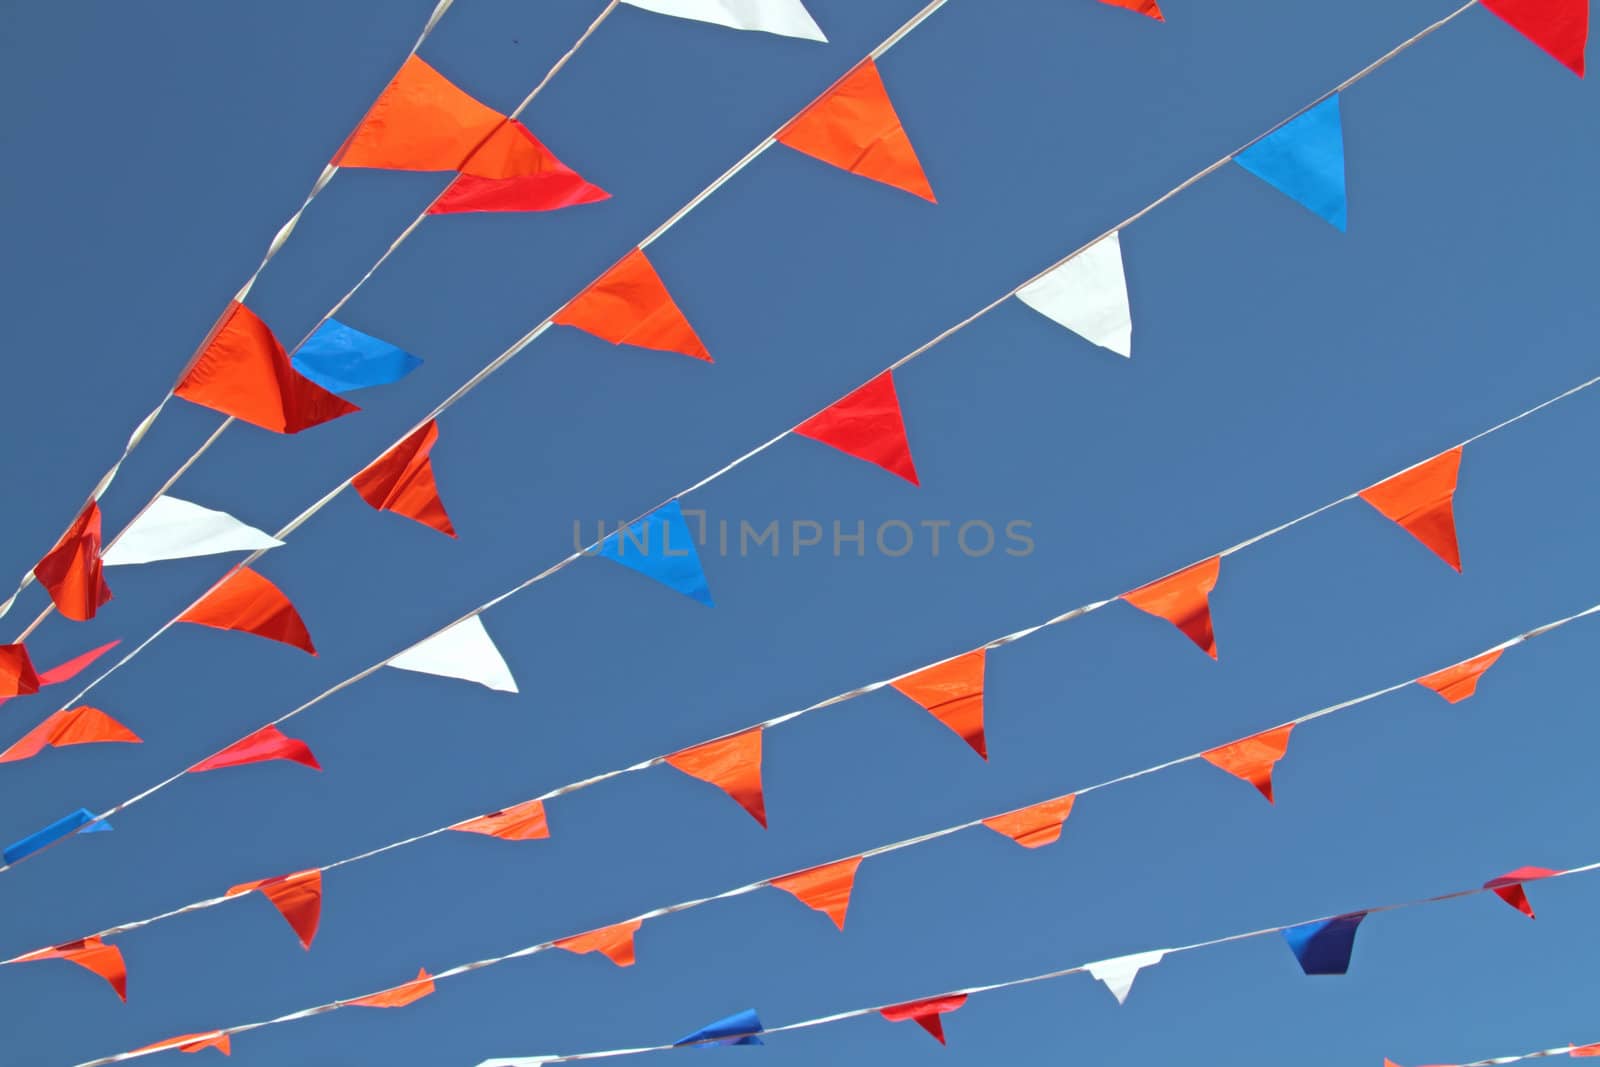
pixel 787 18
pixel 1118 974
pixel 176 529
pixel 1088 294
pixel 463 651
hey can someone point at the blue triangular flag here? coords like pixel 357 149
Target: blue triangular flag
pixel 659 546
pixel 1304 158
pixel 1324 947
pixel 341 359
pixel 740 1028
pixel 53 833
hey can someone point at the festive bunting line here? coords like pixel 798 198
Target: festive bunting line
pixel 1575 1051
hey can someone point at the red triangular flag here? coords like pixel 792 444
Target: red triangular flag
pixel 868 425
pixel 521 822
pixel 484 186
pixel 1420 501
pixel 1184 599
pixel 733 765
pixel 1560 27
pixel 1143 7
pixel 925 1013
pixel 613 942
pixel 1457 683
pixel 630 305
pixel 72 572
pixel 1253 758
pixel 17 676
pixel 193 1043
pixel 1584 1051
pixel 1035 826
pixel 298 898
pixel 64 672
pixel 423 121
pixel 243 372
pixel 854 127
pixel 401 481
pixel 399 996
pixel 266 744
pixel 952 692
pixel 248 603
pixel 825 889
pixel 1508 887
pixel 91 954
pixel 80 726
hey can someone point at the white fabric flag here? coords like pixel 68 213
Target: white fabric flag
pixel 1088 294
pixel 787 18
pixel 177 529
pixel 1118 974
pixel 463 651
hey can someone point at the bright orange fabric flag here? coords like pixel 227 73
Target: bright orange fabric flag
pixel 854 127
pixel 92 954
pixel 925 1013
pixel 1457 683
pixel 825 889
pixel 1421 500
pixel 733 765
pixel 267 743
pixel 1184 600
pixel 71 571
pixel 629 305
pixel 423 121
pixel 247 602
pixel 1584 1051
pixel 1253 758
pixel 522 822
pixel 298 898
pixel 17 676
pixel 1143 7
pixel 81 726
pixel 952 692
pixel 399 996
pixel 1036 826
pixel 613 942
pixel 243 371
pixel 194 1043
pixel 867 424
pixel 401 481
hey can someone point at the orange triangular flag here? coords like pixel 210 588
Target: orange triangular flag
pixel 952 692
pixel 854 127
pixel 733 765
pixel 398 997
pixel 1584 1051
pixel 1420 500
pixel 401 481
pixel 71 571
pixel 867 424
pixel 630 305
pixel 423 121
pixel 1184 600
pixel 825 889
pixel 80 726
pixel 92 954
pixel 1457 683
pixel 522 822
pixel 613 942
pixel 216 1039
pixel 17 676
pixel 298 898
pixel 1035 826
pixel 247 602
pixel 1143 7
pixel 1253 758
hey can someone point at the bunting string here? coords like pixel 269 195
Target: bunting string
pixel 1575 1051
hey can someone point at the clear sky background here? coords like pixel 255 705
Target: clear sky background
pixel 155 148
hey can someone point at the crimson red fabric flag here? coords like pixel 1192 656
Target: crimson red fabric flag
pixel 1420 501
pixel 1184 600
pixel 733 765
pixel 854 127
pixel 423 121
pixel 1560 27
pixel 71 571
pixel 64 672
pixel 629 305
pixel 1508 887
pixel 80 726
pixel 400 996
pixel 298 898
pixel 247 602
pixel 267 743
pixel 615 943
pixel 1253 758
pixel 952 692
pixel 1459 682
pixel 521 822
pixel 17 676
pixel 243 372
pixel 925 1013
pixel 1035 826
pixel 92 954
pixel 1143 7
pixel 868 425
pixel 498 177
pixel 193 1043
pixel 401 481
pixel 825 889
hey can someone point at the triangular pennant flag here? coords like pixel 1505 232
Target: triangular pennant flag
pixel 1034 826
pixel 93 955
pixel 216 1039
pixel 825 889
pixel 64 672
pixel 176 529
pixel 868 425
pixel 740 1028
pixel 520 822
pixel 65 826
pixel 925 1013
pixel 247 602
pixel 1184 600
pixel 1459 682
pixel 1304 159
pixel 80 726
pixel 1143 7
pixel 401 481
pixel 243 372
pixel 1253 758
pixel 1421 500
pixel 341 359
pixel 660 546
pixel 421 121
pixel 550 186
pixel 853 126
pixel 1088 294
pixel 615 943
pixel 71 571
pixel 464 651
pixel 400 996
pixel 1560 27
pixel 17 676
pixel 787 18
pixel 952 692
pixel 1118 974
pixel 266 744
pixel 629 305
pixel 1324 947
pixel 298 898
pixel 1584 1051
pixel 733 765
pixel 1508 887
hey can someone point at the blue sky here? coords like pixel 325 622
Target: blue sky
pixel 1277 365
